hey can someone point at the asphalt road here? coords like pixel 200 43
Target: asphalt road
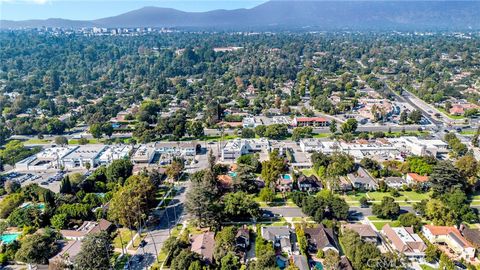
pixel 355 212
pixel 157 234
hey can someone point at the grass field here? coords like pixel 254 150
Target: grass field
pixel 124 235
pixel 90 141
pixel 322 135
pixel 218 138
pixel 379 223
pixel 309 172
pixel 455 117
pixel 37 141
pixel 426 267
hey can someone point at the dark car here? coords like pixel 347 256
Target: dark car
pixel 142 243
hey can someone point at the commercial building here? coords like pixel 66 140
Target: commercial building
pixel 379 149
pixel 310 122
pixel 114 152
pixel 50 158
pixel 235 148
pixel 83 155
pixel 145 153
pixel 251 122
pixel 183 149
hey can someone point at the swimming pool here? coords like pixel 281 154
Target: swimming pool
pixel 8 238
pixel 232 174
pixel 318 266
pixel 287 177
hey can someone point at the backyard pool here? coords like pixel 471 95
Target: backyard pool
pixel 8 238
pixel 318 266
pixel 232 174
pixel 287 177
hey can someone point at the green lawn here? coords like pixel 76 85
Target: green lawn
pixel 468 132
pixel 125 235
pixel 426 267
pixel 218 138
pixel 455 117
pixel 415 196
pixel 90 141
pixel 308 172
pixel 322 135
pixel 353 196
pixel 409 195
pixel 379 223
pixel 37 141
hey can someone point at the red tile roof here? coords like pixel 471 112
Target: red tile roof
pixel 444 230
pixel 311 119
pixel 418 178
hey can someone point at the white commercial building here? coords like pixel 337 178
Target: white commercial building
pixel 251 122
pixel 235 148
pixel 83 155
pixel 176 148
pixel 380 149
pixel 145 153
pixel 50 158
pixel 114 152
pixel 420 147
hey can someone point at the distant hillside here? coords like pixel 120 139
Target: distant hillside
pixel 408 15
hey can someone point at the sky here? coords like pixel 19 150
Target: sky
pixel 95 9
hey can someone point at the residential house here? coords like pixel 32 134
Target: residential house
pixel 310 122
pixel 301 262
pixel 472 235
pixel 405 242
pixel 343 185
pixel 417 179
pixel 366 232
pixel 396 182
pixel 309 183
pixel 282 237
pixel 87 227
pixel 345 264
pixel 321 238
pixel 72 246
pixel 242 239
pixel 362 180
pixel 451 237
pixel 285 183
pixel 204 244
pixel 68 253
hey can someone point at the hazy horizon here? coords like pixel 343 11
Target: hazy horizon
pixel 82 10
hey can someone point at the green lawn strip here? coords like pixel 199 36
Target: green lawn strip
pixel 455 117
pixel 309 172
pixel 379 223
pixel 468 132
pixel 321 135
pixel 137 241
pixel 218 138
pixel 37 141
pixel 426 267
pixel 378 196
pixel 415 196
pixel 90 141
pixel 125 235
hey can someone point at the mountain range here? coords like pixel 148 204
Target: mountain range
pixel 294 14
